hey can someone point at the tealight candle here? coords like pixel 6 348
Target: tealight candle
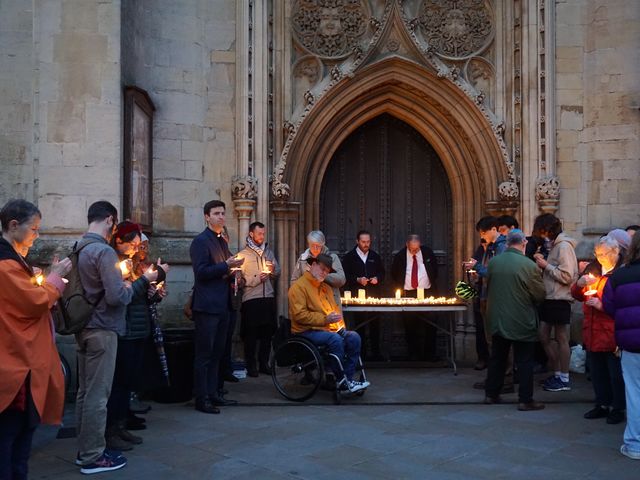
pixel 398 294
pixel 590 293
pixel 362 294
pixel 347 294
pixel 39 279
pixel 421 294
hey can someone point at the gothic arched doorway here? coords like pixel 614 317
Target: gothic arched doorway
pixel 386 178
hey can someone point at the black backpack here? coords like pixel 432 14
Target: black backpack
pixel 73 310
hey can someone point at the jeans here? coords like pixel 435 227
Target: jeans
pixel 606 376
pixel 346 348
pixel 210 342
pixel 631 373
pixel 15 444
pixel 523 355
pixel 97 351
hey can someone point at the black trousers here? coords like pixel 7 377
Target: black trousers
pixel 421 336
pixel 125 378
pixel 210 341
pixel 523 356
pixel 482 348
pixel 16 435
pixel 606 376
pixel 258 326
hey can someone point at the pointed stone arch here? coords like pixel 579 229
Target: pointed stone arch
pixel 446 118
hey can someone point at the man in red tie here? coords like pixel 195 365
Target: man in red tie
pixel 413 267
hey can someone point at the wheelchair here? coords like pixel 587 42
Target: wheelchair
pixel 298 367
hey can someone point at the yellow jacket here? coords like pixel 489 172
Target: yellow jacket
pixel 310 301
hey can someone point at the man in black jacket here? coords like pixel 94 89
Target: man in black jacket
pixel 364 270
pixel 211 304
pixel 416 266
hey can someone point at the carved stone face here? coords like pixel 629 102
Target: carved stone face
pixel 330 23
pixel 455 24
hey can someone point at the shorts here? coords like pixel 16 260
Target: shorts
pixel 555 312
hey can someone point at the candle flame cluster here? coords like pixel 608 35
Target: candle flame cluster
pixel 404 301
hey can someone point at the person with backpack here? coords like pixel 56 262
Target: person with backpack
pixel 103 285
pixel 126 241
pixel 31 380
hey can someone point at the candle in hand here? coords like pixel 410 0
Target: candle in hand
pixel 39 279
pixel 590 293
pixel 124 268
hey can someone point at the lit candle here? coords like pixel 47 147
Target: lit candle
pixel 347 294
pixel 362 294
pixel 124 268
pixel 39 279
pixel 398 294
pixel 421 294
pixel 590 293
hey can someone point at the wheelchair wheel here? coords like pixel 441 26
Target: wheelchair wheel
pixel 297 370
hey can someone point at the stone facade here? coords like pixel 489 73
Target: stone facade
pixel 540 100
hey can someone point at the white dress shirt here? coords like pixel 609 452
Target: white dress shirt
pixel 423 278
pixel 363 256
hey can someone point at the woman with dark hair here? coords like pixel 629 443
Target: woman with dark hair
pixel 621 300
pixel 559 271
pixel 126 241
pixel 598 333
pixel 32 384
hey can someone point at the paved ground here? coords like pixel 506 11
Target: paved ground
pixel 412 424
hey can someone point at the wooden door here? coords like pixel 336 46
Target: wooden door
pixel 386 178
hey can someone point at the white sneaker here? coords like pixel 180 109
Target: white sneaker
pixel 624 450
pixel 355 386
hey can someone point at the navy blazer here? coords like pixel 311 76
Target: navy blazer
pixel 211 280
pixel 399 267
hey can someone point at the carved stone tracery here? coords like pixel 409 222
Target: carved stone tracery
pixel 244 187
pixel 457 29
pixel 329 29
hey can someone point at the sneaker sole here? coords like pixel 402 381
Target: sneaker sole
pixel 559 389
pixel 91 471
pixel 632 455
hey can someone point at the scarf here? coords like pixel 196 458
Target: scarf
pixel 259 249
pixel 7 252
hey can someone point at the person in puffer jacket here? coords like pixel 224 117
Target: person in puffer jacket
pixel 621 300
pixel 559 272
pixel 598 334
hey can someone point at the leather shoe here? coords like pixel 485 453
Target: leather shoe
pixel 492 400
pixel 206 406
pixel 480 365
pixel 615 416
pixel 596 412
pixel 223 402
pixel 230 377
pixel 528 407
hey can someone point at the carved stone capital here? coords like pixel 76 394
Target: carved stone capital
pixel 508 191
pixel 244 187
pixel 548 194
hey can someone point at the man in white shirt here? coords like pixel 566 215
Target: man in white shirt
pixel 416 266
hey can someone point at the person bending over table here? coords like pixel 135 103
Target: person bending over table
pixel 315 315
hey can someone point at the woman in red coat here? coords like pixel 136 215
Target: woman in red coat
pixel 32 386
pixel 598 334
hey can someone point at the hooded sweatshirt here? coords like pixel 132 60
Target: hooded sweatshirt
pixel 562 269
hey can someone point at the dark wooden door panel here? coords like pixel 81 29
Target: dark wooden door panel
pixel 387 179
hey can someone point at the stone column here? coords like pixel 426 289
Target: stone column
pixel 286 215
pixel 244 191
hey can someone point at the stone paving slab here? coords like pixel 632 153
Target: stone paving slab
pixel 419 436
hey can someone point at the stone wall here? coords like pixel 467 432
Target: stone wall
pixel 598 96
pixel 16 69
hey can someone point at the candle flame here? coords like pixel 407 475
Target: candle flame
pixel 39 279
pixel 400 301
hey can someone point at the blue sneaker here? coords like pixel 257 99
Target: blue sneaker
pixel 107 452
pixel 627 452
pixel 105 463
pixel 556 385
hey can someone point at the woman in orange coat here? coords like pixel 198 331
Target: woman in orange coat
pixel 32 385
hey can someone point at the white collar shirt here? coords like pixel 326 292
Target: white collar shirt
pixel 423 277
pixel 363 256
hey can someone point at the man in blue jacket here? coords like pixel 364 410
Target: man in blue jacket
pixel 211 304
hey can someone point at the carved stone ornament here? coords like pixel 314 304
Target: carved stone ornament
pixel 508 191
pixel 548 188
pixel 457 29
pixel 279 189
pixel 329 29
pixel 244 187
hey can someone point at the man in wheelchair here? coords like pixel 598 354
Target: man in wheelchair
pixel 315 315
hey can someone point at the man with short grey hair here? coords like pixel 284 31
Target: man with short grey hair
pixel 514 288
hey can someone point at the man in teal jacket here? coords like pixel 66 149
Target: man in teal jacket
pixel 514 286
